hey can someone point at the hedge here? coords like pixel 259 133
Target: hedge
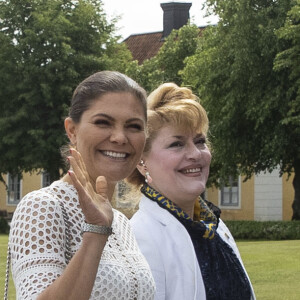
pixel 4 227
pixel 243 230
pixel 264 230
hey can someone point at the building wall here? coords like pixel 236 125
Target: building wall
pixel 264 197
pixel 288 194
pixel 245 211
pixel 29 182
pixel 268 196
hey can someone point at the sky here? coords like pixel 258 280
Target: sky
pixel 143 16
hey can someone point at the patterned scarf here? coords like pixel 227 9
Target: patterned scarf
pixel 223 275
pixel 204 221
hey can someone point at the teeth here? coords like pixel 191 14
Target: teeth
pixel 195 170
pixel 114 154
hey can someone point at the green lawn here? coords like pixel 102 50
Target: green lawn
pixel 273 267
pixel 3 254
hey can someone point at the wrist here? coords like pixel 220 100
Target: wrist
pixel 98 229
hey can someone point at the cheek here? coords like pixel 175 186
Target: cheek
pixel 207 157
pixel 139 144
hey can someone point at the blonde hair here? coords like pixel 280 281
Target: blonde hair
pixel 171 105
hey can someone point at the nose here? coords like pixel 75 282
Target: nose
pixel 118 136
pixel 193 152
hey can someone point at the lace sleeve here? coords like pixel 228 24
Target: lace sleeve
pixel 37 243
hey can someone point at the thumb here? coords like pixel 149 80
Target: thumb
pixel 101 186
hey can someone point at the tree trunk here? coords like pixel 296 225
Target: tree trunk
pixel 296 184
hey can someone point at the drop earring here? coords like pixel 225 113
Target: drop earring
pixel 148 178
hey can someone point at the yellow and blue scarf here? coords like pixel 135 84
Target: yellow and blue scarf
pixel 205 221
pixel 222 272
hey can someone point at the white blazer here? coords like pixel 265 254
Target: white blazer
pixel 170 253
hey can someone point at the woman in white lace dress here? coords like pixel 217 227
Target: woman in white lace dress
pixel 73 217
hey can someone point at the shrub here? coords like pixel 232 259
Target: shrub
pixel 4 227
pixel 264 230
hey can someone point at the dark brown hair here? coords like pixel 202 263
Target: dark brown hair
pixel 100 84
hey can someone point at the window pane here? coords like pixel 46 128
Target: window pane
pixel 14 189
pixel 46 180
pixel 230 193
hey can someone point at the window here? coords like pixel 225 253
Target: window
pixel 14 189
pixel 230 193
pixel 46 180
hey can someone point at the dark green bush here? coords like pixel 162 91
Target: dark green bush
pixel 264 230
pixel 4 227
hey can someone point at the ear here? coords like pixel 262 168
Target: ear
pixel 70 128
pixel 141 169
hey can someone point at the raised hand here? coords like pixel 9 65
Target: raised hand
pixel 94 202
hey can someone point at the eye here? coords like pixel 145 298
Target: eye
pixel 101 122
pixel 201 142
pixel 135 126
pixel 176 144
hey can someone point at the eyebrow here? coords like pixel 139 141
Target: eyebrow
pixel 112 119
pixel 181 137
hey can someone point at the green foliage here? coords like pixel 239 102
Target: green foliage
pixel 247 101
pixel 46 49
pixel 267 230
pixel 4 227
pixel 288 63
pixel 169 61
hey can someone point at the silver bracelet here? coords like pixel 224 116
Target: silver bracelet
pixel 96 229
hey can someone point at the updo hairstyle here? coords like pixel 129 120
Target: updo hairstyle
pixel 171 105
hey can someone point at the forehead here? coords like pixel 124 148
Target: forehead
pixel 117 104
pixel 171 131
pixel 167 133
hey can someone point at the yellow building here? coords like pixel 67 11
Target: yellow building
pixel 264 197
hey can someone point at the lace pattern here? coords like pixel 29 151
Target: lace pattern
pixel 37 243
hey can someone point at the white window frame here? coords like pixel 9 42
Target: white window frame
pixel 238 206
pixel 16 201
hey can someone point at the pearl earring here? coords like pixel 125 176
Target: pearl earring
pixel 148 178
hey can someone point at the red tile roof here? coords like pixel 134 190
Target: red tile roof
pixel 144 46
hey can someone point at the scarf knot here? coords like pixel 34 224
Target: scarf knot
pixel 206 215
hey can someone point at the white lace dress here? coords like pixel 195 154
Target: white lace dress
pixel 37 242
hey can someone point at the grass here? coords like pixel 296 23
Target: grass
pixel 3 255
pixel 273 267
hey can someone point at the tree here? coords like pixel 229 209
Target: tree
pixel 288 63
pixel 248 102
pixel 169 61
pixel 46 49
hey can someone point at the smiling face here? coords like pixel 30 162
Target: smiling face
pixel 110 135
pixel 178 163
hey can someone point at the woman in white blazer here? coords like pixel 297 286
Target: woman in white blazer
pixel 191 253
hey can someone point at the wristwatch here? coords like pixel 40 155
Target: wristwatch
pixel 96 229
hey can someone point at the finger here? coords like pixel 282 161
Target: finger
pixel 101 186
pixel 84 199
pixel 76 182
pixel 77 170
pixel 76 154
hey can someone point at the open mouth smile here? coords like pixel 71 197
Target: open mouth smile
pixel 191 171
pixel 115 155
